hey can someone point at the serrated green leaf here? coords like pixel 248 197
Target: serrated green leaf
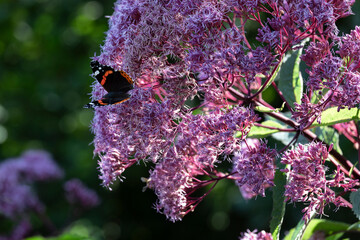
pixel 329 135
pixel 331 116
pixel 279 204
pixel 355 201
pixel 261 132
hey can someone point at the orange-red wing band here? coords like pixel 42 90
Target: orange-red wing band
pixel 105 76
pixel 127 77
pixel 122 101
pixel 102 103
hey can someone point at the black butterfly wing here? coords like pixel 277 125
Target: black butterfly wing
pixel 109 99
pixel 111 80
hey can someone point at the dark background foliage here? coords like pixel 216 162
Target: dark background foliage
pixel 45 50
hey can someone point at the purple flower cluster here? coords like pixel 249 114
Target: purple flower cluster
pixel 306 113
pixel 15 177
pixel 79 195
pixel 308 181
pixel 16 195
pixel 254 235
pixel 19 201
pixel 199 142
pixel 20 231
pixel 338 75
pixel 254 164
pixel 184 53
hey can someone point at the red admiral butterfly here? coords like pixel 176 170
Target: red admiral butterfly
pixel 116 83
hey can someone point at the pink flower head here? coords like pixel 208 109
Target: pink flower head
pixel 16 175
pixel 325 74
pixel 349 46
pixel 339 75
pixel 254 164
pixel 315 52
pixel 347 95
pixel 306 112
pixel 199 142
pixel 196 52
pixel 308 181
pixel 254 235
pixel 170 179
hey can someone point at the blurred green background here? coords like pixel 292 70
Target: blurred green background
pixel 45 50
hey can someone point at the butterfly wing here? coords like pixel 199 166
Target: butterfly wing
pixel 116 83
pixel 109 99
pixel 111 80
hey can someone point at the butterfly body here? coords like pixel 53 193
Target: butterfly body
pixel 116 83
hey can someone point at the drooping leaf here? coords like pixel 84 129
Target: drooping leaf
pixel 279 204
pixel 355 201
pixel 274 76
pixel 290 80
pixel 297 233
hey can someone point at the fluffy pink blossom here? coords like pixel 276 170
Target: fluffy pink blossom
pixel 308 181
pixel 254 165
pixel 255 235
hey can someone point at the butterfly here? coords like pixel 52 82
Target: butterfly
pixel 116 83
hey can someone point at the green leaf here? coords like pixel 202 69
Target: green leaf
pixel 330 228
pixel 290 78
pixel 266 109
pixel 285 137
pixel 261 132
pixel 298 232
pixel 354 227
pixel 355 201
pixel 329 135
pixel 79 230
pixel 274 76
pixel 289 235
pixel 64 236
pixel 279 204
pixel 352 168
pixel 333 230
pixel 331 116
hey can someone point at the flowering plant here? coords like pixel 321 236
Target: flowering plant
pixel 199 100
pixel 20 204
